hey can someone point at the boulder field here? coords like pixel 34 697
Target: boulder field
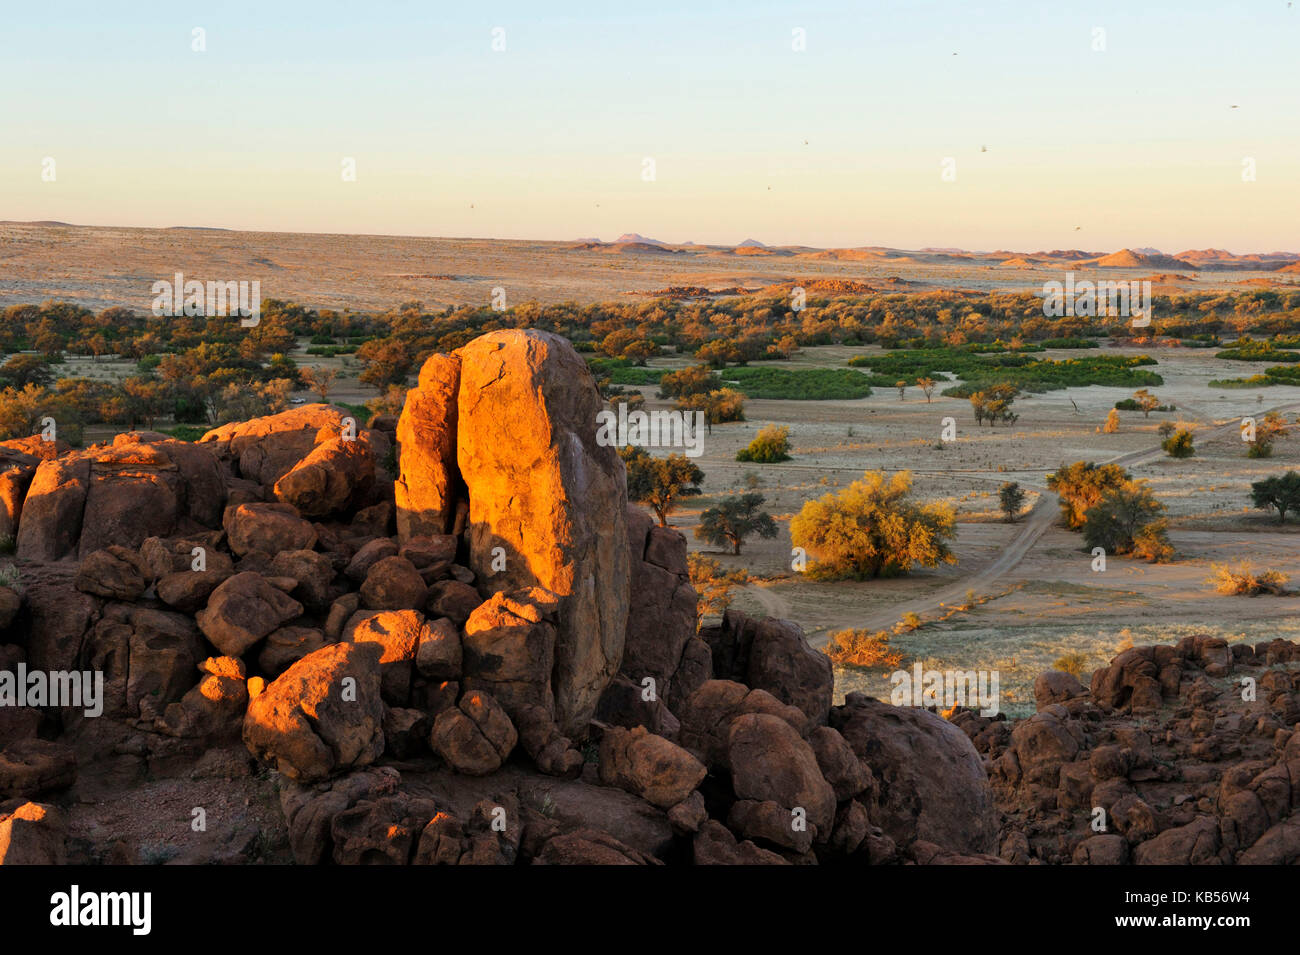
pixel 489 657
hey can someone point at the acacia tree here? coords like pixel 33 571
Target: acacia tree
pixel 1146 402
pixel 872 528
pixel 1083 484
pixel 735 519
pixel 1011 497
pixel 927 387
pixel 993 404
pixel 319 380
pixel 660 483
pixel 1281 492
pixel 1125 520
pixel 698 379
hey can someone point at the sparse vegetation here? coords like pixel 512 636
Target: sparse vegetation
pixel 1073 663
pixel 1243 581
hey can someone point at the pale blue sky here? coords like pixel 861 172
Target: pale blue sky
pixel 1137 145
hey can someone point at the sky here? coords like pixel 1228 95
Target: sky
pixel 1058 136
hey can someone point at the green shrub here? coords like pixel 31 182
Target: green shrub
pixel 771 444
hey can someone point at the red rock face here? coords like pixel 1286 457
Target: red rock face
pixel 547 503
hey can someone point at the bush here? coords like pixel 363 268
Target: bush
pixel 1242 581
pixel 1074 664
pixel 1179 444
pixel 712 583
pixel 803 384
pixel 772 444
pixel 186 432
pixel 1115 521
pixel 871 528
pixel 862 648
pixel 1082 485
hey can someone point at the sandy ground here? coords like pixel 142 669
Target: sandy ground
pixel 98 267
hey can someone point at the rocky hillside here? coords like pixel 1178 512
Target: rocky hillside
pixel 490 658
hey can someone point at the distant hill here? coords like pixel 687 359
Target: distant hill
pixel 751 244
pixel 1129 259
pixel 635 238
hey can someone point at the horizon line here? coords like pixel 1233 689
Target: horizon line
pixel 937 249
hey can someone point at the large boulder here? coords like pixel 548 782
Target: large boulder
pixel 269 528
pixel 649 766
pixel 549 499
pixel 474 737
pixel 509 649
pixel 393 584
pixel 119 573
pixel 242 611
pixel 429 483
pixel 33 834
pixel 336 475
pixel 932 783
pixel 265 449
pixel 770 761
pixel 322 716
pixel 147 657
pixel 52 511
pixel 773 655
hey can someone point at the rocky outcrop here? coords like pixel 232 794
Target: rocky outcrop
pixel 89 500
pixel 547 503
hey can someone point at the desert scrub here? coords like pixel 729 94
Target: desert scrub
pixel 1243 581
pixel 11 577
pixel 1072 663
pixel 862 648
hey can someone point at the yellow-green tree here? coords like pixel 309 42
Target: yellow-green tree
pixel 872 528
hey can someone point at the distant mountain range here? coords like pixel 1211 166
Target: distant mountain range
pixel 1141 257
